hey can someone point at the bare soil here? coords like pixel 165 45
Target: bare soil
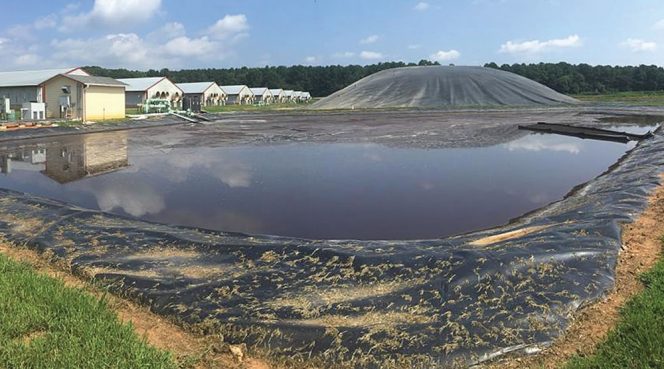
pixel 642 247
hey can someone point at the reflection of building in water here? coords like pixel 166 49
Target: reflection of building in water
pixel 30 156
pixel 86 155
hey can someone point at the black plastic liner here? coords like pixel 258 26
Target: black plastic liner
pixel 434 303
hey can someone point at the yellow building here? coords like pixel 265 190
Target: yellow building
pixel 86 155
pixel 88 98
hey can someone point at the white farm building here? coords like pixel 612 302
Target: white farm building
pixel 27 86
pixel 277 95
pixel 208 93
pixel 289 95
pixel 262 95
pixel 140 89
pixel 69 93
pixel 238 94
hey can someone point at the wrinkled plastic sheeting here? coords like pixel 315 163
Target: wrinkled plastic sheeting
pixel 443 86
pixel 436 303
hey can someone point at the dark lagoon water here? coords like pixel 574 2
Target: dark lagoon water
pixel 340 191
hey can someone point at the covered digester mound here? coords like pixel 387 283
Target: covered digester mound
pixel 443 86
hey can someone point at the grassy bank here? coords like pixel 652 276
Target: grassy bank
pixel 44 324
pixel 254 107
pixel 638 339
pixel 648 98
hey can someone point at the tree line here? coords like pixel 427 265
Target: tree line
pixel 587 79
pixel 318 80
pixel 324 80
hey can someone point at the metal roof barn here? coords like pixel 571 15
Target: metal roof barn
pixel 277 95
pixel 85 97
pixel 25 86
pixel 34 77
pixel 140 89
pixel 140 84
pixel 259 91
pixel 209 93
pixel 95 81
pixel 195 87
pixel 238 94
pixel 262 94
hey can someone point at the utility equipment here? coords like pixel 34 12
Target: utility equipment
pixel 33 111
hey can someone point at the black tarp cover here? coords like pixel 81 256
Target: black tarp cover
pixel 429 303
pixel 442 86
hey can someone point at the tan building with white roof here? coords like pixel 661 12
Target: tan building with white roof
pixel 278 95
pixel 26 85
pixel 84 97
pixel 238 94
pixel 138 90
pixel 262 95
pixel 208 93
pixel 68 93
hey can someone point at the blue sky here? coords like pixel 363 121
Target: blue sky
pixel 141 34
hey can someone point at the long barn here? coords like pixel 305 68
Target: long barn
pixel 84 97
pixel 68 93
pixel 238 94
pixel 140 89
pixel 26 85
pixel 207 93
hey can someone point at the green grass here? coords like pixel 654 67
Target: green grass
pixel 638 339
pixel 646 98
pixel 44 324
pixel 78 123
pixel 271 107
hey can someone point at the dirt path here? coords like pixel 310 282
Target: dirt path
pixel 201 352
pixel 642 244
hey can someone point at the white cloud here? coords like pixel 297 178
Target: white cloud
pixel 442 55
pixel 370 55
pixel 122 49
pixel 113 13
pixel 49 21
pixel 414 46
pixel 3 42
pixel 233 174
pixel 26 32
pixel 536 143
pixel 185 46
pixel 134 198
pixel 345 54
pixel 230 26
pixel 170 30
pixel 310 59
pixel 21 32
pixel 168 46
pixel 229 169
pixel 26 60
pixel 659 25
pixel 369 39
pixel 422 6
pixel 638 45
pixel 535 46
